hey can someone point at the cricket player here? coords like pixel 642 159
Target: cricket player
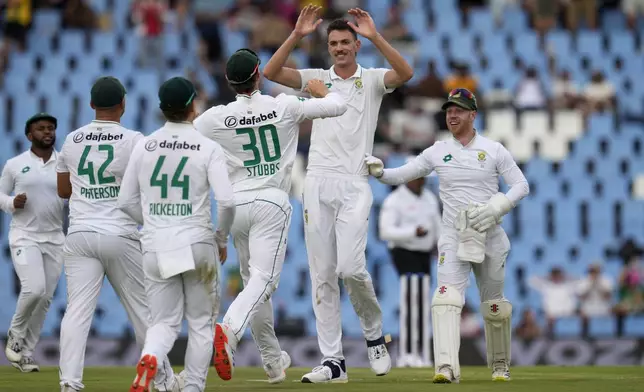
pixel 259 134
pixel 35 235
pixel 101 239
pixel 468 167
pixel 167 188
pixel 337 197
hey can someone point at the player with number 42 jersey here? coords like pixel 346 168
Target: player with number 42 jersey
pixel 259 134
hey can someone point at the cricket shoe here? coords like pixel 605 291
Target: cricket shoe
pixel 224 358
pixel 26 365
pixel 500 371
pixel 277 374
pixel 13 350
pixel 328 372
pixel 146 370
pixel 444 375
pixel 67 388
pixel 379 358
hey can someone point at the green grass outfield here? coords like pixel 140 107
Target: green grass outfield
pixel 533 379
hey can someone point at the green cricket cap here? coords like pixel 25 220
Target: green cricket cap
pixel 461 97
pixel 242 66
pixel 176 93
pixel 107 92
pixel 38 117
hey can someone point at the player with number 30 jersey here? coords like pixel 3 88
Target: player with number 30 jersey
pixel 259 134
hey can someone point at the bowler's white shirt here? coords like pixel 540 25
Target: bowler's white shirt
pixel 466 174
pixel 95 156
pixel 259 134
pixel 41 220
pixel 338 144
pixel 403 212
pixel 167 188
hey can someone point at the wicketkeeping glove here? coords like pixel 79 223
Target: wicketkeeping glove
pixel 374 165
pixel 490 214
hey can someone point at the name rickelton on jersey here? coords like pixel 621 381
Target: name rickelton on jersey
pixel 255 167
pixel 178 180
pixel 103 192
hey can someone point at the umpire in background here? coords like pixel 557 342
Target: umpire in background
pixel 410 222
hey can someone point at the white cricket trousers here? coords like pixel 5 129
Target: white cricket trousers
pixel 260 231
pixel 490 274
pixel 182 296
pixel 336 213
pixel 38 266
pixel 89 257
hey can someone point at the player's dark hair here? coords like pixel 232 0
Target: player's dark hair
pixel 177 115
pixel 246 87
pixel 340 25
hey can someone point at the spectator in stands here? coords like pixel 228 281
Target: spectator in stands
pixel 595 295
pixel 207 16
pixel 633 9
pixel 498 97
pixel 243 16
pixel 530 93
pixel 412 128
pixel 631 291
pixel 17 20
pixel 461 78
pixel 79 15
pixel 559 297
pixel 599 95
pixel 528 328
pixel 497 7
pixel 470 323
pixel 395 31
pixel 565 94
pixel 581 10
pixel 149 17
pixel 431 86
pixel 544 13
pixel 271 22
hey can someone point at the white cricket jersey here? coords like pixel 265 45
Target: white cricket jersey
pixel 466 174
pixel 41 220
pixel 403 212
pixel 96 156
pixel 168 184
pixel 338 145
pixel 259 134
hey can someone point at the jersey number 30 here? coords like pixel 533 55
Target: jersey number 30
pixel 177 180
pixel 252 144
pixel 86 168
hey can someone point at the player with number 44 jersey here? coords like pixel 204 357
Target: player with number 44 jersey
pixel 101 240
pixel 259 134
pixel 167 188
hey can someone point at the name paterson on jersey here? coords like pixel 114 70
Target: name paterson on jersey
pixel 102 192
pixel 253 169
pixel 171 209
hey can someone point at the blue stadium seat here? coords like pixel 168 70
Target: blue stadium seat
pixel 589 43
pixel 602 327
pixel 567 327
pixel 634 326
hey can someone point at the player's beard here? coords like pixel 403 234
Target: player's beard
pixel 44 145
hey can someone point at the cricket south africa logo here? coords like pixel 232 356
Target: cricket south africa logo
pixel 481 156
pixel 441 259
